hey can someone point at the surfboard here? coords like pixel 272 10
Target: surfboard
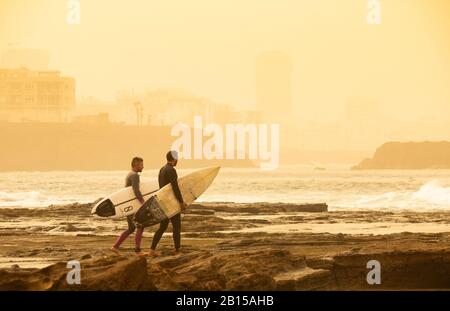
pixel 162 202
pixel 123 202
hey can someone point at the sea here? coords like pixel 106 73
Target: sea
pixel 334 184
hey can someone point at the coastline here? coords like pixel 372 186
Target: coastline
pixel 229 246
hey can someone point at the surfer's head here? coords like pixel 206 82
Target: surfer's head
pixel 172 157
pixel 137 164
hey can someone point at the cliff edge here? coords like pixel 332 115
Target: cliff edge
pixel 410 155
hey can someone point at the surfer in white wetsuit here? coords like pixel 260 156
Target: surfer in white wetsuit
pixel 133 180
pixel 168 175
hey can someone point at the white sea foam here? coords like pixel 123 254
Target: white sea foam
pixel 433 192
pixel 431 195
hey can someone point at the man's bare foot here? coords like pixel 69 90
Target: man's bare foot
pixel 116 251
pixel 177 252
pixel 141 254
pixel 153 253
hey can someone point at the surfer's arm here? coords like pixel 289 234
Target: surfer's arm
pixel 173 177
pixel 135 181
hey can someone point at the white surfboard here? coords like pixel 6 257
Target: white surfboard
pixel 191 187
pixel 123 202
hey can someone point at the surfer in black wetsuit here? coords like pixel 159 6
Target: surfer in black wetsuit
pixel 133 180
pixel 168 175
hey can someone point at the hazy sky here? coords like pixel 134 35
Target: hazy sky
pixel 209 47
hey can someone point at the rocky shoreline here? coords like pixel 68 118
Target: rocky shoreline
pixel 227 246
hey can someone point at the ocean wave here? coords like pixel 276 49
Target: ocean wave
pixel 433 192
pixel 431 195
pixel 14 199
pixel 31 199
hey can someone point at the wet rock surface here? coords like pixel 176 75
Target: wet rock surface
pixel 219 254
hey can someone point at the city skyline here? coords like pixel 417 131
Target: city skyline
pixel 357 130
pixel 337 64
pixel 343 55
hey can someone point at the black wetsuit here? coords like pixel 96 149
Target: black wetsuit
pixel 168 175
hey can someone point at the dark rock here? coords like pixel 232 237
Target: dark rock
pixel 112 273
pixel 411 155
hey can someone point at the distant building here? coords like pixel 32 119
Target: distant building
pixel 167 107
pixel 171 106
pixel 43 96
pixel 91 106
pixel 274 86
pixel 222 114
pixel 164 107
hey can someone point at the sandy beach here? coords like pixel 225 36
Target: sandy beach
pixel 230 246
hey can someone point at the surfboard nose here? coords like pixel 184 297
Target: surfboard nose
pixel 212 172
pixel 200 180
